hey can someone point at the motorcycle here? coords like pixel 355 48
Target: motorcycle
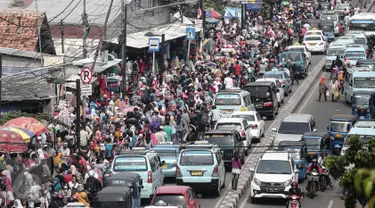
pixel 313 183
pixel 325 178
pixel 294 201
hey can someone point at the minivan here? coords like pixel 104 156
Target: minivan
pixel 147 164
pixel 228 101
pixel 264 97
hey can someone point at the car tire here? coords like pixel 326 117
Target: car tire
pixel 218 191
pixel 286 94
pixel 253 200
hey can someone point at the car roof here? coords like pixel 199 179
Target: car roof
pixel 268 79
pixel 355 48
pixel 165 146
pixel 344 116
pixel 362 131
pixel 244 113
pixel 271 155
pixel 313 36
pixel 172 190
pixel 314 31
pixel 220 131
pixel 232 120
pixel 274 72
pixel 290 143
pixel 294 46
pixel 296 117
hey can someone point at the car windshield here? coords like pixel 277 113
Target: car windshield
pixel 361 100
pixel 273 75
pixel 220 139
pixel 293 57
pixel 294 128
pixel 355 56
pixel 289 148
pixel 171 199
pixel 273 167
pixel 130 163
pixel 326 17
pixel 360 41
pixel 247 117
pixel 259 91
pixel 364 26
pixel 196 157
pixel 327 28
pixel 226 126
pixel 313 38
pixel 340 126
pixel 228 99
pixel 301 50
pixel 364 82
pixel 312 143
pixel 341 7
pixel 166 153
pixel 335 52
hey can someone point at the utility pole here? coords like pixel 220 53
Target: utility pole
pixel 162 52
pixel 124 11
pixel 78 112
pixel 84 20
pixel 1 76
pixel 62 36
pixel 243 16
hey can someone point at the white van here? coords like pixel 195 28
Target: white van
pixel 228 101
pixel 144 162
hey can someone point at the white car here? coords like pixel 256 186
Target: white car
pixel 316 32
pixel 281 93
pixel 315 43
pixel 241 125
pixel 258 126
pixel 272 176
pixel 302 49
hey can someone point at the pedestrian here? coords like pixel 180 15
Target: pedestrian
pixel 323 89
pixel 334 88
pixel 296 74
pixel 236 170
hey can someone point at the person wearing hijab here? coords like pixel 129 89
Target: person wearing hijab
pixel 17 204
pixel 82 196
pixel 57 185
pixel 323 89
pixel 77 174
pixel 27 184
pixel 7 180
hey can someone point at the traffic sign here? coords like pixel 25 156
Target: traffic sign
pixel 86 90
pixel 190 33
pixel 153 44
pixel 86 75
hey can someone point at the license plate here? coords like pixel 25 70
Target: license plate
pixel 258 105
pixel 310 153
pixel 227 111
pixel 271 190
pixel 164 166
pixel 338 135
pixel 197 173
pixel 361 107
pixel 312 44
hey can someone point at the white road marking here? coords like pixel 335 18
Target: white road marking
pixel 330 204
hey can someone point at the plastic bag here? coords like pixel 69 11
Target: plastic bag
pixel 337 96
pixel 327 93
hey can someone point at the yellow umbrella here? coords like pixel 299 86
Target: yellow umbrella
pixel 24 133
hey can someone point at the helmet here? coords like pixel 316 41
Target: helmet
pixel 161 203
pixel 314 161
pixel 294 184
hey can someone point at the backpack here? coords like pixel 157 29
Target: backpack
pixel 91 186
pixel 204 119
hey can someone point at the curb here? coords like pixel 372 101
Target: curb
pixel 232 199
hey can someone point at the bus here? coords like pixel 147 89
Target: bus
pixel 358 79
pixel 363 21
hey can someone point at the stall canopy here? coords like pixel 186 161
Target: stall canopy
pixel 28 123
pixel 254 5
pixel 232 12
pixel 24 133
pixel 11 142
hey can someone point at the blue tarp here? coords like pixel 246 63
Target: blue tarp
pixel 254 5
pixel 232 12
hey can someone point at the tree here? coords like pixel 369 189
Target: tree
pixel 364 181
pixel 348 167
pixel 217 5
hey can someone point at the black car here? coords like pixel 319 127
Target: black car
pixel 264 97
pixel 229 141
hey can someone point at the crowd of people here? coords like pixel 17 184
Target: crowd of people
pixel 175 105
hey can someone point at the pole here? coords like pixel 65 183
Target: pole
pixel 162 52
pixel 243 16
pixel 153 61
pixel 84 20
pixel 78 112
pixel 39 24
pixel 188 52
pixel 1 75
pixel 62 36
pixel 124 7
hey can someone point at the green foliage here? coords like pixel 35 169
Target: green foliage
pixel 216 5
pixel 352 169
pixel 15 114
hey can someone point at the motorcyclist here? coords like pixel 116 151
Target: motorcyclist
pixel 314 166
pixel 294 190
pixel 321 162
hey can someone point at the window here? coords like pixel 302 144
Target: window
pixel 258 117
pixel 153 165
pixel 244 123
pixel 196 157
pixel 294 127
pixel 130 163
pixel 171 199
pixel 228 99
pixel 274 167
pixel 247 117
pixel 218 158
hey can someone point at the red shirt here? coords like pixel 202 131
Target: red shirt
pixel 68 178
pixel 237 69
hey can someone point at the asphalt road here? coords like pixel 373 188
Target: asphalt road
pixel 210 201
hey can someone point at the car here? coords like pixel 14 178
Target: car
pixel 329 16
pixel 146 163
pixel 342 8
pixel 240 125
pixel 229 141
pixel 280 94
pixel 230 100
pixel 354 54
pixel 293 127
pixel 183 196
pixel 356 32
pixel 303 49
pixel 258 126
pixel 361 39
pixel 315 43
pixel 201 167
pixel 314 31
pixel 360 47
pixel 325 7
pixel 336 44
pixel 168 152
pixel 347 39
pixel 332 54
pixel 283 77
pixel 329 29
pixel 272 176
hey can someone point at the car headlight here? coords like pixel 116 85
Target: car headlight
pixel 257 181
pixel 288 182
pixel 301 165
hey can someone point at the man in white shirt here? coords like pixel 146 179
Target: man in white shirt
pixel 228 81
pixel 215 115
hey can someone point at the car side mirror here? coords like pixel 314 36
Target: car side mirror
pixel 295 171
pixel 251 170
pixel 274 129
pixel 315 130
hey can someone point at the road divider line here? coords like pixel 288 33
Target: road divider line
pixel 232 199
pixel 330 204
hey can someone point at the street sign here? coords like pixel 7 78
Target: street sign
pixel 86 75
pixel 190 33
pixel 154 44
pixel 86 90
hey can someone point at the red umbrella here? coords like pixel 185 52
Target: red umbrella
pixel 213 14
pixel 29 123
pixel 11 142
